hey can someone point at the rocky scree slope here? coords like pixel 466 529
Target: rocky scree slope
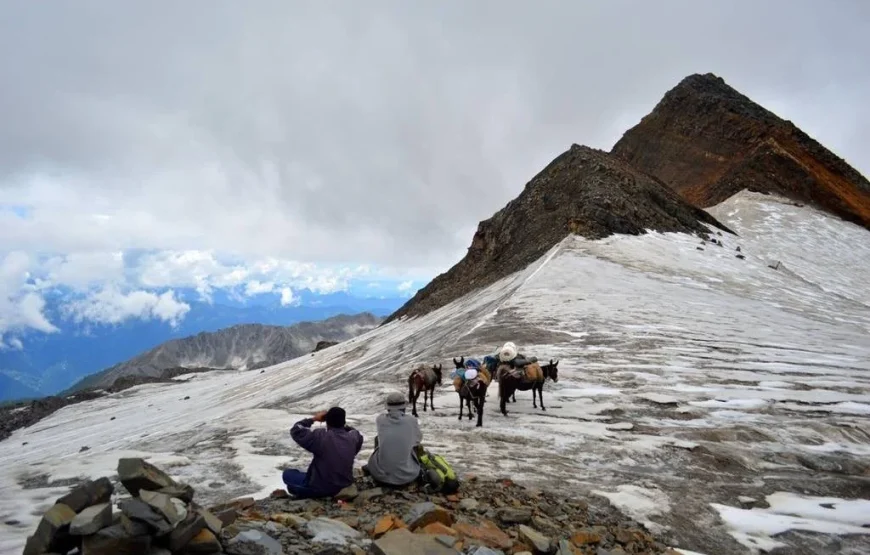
pixel 141 509
pixel 243 346
pixel 708 142
pixel 583 191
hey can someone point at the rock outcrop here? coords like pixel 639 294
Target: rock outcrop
pixel 583 191
pixel 486 517
pixel 708 142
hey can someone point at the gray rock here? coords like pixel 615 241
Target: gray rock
pixel 91 520
pixel 348 494
pixel 52 532
pixel 368 495
pixel 137 474
pixel 115 540
pixel 138 510
pixel 184 492
pixel 163 504
pixel 226 516
pixel 483 550
pixel 92 492
pixel 522 515
pixel 274 529
pixel 403 542
pixel 423 514
pixel 469 504
pixel 213 523
pixel 540 542
pixel 327 530
pixel 185 531
pixel 565 548
pixel 253 542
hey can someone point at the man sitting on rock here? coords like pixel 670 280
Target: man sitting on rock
pixel 393 462
pixel 334 449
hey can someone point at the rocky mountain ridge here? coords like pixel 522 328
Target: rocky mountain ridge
pixel 583 191
pixel 245 346
pixel 708 141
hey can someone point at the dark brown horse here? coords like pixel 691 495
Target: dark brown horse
pixel 423 379
pixel 473 391
pixel 531 376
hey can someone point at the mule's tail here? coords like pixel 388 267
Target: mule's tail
pixel 411 388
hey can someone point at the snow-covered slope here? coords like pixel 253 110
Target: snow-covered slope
pixel 691 381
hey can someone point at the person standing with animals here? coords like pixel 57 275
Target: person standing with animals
pixel 393 462
pixel 334 448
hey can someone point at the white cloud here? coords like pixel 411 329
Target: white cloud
pixel 258 287
pixel 21 305
pixel 406 288
pixel 111 306
pixel 288 298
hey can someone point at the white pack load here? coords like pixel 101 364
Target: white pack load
pixel 470 374
pixel 508 352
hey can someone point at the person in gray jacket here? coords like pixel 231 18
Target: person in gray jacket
pixel 393 461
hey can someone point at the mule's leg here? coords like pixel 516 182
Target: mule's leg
pixel 470 414
pixel 503 394
pixel 461 406
pixel 541 395
pixel 479 404
pixel 432 398
pixel 424 400
pixel 534 400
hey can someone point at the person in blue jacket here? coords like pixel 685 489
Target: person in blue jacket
pixel 334 448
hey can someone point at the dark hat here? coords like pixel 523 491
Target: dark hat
pixel 335 417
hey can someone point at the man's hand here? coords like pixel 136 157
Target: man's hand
pixel 319 416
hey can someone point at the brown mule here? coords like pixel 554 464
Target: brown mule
pixel 425 380
pixel 511 380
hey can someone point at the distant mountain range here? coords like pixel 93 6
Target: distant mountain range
pixel 243 346
pixel 52 362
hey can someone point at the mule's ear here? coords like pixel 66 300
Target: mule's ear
pixel 556 363
pixel 439 367
pixel 551 362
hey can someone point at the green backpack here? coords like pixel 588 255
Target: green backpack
pixel 437 473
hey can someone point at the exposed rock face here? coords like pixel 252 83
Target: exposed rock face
pixel 243 346
pixel 708 142
pixel 324 345
pixel 583 191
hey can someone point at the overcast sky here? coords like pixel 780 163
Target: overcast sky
pixel 317 142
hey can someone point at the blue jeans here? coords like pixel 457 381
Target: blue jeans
pixel 296 483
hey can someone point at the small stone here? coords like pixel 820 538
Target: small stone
pixel 586 536
pixel 384 525
pixel 136 474
pixel 539 541
pixel 91 520
pixel 438 529
pixel 515 516
pixel 288 519
pixel 469 504
pixel 453 498
pixel 203 543
pixel 162 503
pixel 488 534
pixel 327 530
pixel 423 514
pixel 348 494
pixel 483 550
pixel 253 542
pixel 403 542
pixel 92 492
pixel 565 548
pixel 115 540
pixel 279 494
pixel 368 495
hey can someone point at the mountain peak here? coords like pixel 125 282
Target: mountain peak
pixel 708 141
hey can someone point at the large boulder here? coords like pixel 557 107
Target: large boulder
pixel 115 540
pixel 52 532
